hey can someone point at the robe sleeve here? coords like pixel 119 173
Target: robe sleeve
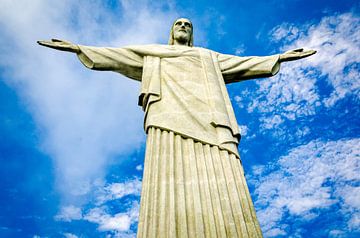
pixel 235 68
pixel 121 60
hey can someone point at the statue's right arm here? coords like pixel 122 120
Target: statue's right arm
pixel 121 60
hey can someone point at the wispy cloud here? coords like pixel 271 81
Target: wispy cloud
pixel 119 222
pixel 243 130
pixel 86 118
pixel 100 212
pixel 337 40
pixel 294 92
pixel 240 49
pixel 139 167
pixel 118 190
pixel 318 178
pixel 69 213
pixel 285 32
pixel 69 235
pixel 310 178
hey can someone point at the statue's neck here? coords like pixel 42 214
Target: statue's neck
pixel 183 43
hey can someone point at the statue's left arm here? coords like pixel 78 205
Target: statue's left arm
pixel 235 68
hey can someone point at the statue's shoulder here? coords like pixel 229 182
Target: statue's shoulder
pixel 205 49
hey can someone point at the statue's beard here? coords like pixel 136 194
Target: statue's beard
pixel 182 38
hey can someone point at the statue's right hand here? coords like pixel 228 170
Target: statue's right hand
pixel 60 45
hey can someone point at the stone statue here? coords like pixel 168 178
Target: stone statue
pixel 193 183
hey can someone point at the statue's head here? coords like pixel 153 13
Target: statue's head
pixel 181 32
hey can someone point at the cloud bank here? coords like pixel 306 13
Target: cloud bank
pixel 310 181
pixel 104 213
pixel 294 93
pixel 85 118
pixel 317 181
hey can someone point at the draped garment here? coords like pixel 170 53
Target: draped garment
pixel 193 183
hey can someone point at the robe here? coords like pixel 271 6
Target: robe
pixel 193 183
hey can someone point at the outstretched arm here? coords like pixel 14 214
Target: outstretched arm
pixel 235 68
pixel 60 45
pixel 121 60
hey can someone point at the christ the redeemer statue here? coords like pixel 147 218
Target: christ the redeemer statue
pixel 193 183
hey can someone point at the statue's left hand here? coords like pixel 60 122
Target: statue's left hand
pixel 60 45
pixel 296 54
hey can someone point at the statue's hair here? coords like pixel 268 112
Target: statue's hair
pixel 171 37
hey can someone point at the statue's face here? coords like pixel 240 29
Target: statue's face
pixel 182 30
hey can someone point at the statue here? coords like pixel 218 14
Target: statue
pixel 193 183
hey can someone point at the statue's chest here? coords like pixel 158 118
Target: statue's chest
pixel 184 70
pixel 183 78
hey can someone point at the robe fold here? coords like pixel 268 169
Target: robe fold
pixel 193 184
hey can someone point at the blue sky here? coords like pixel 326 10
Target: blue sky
pixel 71 139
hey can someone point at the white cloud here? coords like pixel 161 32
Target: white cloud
pixel 336 233
pixel 276 232
pixel 240 49
pixel 294 93
pixel 119 190
pixel 289 95
pixel 310 177
pixel 337 40
pixel 119 222
pixel 85 117
pixel 271 122
pixel 243 130
pixel 69 213
pixel 105 216
pixel 284 32
pixel 69 235
pixel 139 167
pixel 354 222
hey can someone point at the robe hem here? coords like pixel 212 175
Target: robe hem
pixel 236 153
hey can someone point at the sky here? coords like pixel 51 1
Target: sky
pixel 71 139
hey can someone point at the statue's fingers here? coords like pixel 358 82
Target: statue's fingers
pixel 61 42
pixel 313 52
pixel 295 50
pixel 56 40
pixel 307 53
pixel 298 50
pixel 45 43
pixel 310 52
pixel 51 44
